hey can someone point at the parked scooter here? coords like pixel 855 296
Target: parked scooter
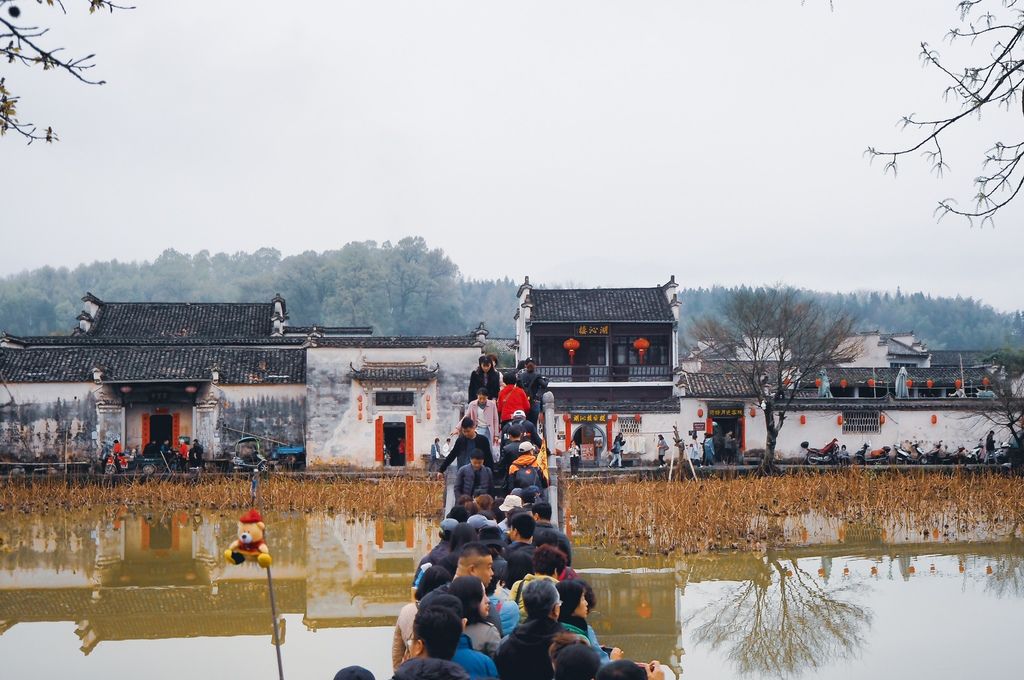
pixel 826 455
pixel 1000 456
pixel 114 463
pixel 868 456
pixel 904 456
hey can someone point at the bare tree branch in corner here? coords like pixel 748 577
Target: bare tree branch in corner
pixel 23 43
pixel 994 28
pixel 772 338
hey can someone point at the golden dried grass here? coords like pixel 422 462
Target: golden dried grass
pixel 385 497
pixel 637 517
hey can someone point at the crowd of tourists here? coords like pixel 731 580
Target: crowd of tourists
pixel 497 597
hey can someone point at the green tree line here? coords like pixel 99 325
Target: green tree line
pixel 408 288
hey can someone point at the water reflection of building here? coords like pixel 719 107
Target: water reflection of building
pixel 139 577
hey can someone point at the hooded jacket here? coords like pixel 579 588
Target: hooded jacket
pixel 512 398
pixel 430 669
pixel 524 654
pixel 477 664
pixel 516 594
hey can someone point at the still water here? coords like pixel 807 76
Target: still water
pixel 120 595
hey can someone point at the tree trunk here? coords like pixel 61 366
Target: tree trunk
pixel 768 462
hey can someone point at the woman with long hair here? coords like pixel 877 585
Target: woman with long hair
pixel 476 606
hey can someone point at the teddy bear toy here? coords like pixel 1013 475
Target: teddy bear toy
pixel 249 545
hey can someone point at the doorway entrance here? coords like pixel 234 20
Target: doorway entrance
pixel 395 444
pixel 161 428
pixel 590 439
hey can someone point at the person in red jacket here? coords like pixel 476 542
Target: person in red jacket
pixel 512 398
pixel 183 455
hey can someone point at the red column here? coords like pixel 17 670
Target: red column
pixel 609 426
pixel 410 451
pixel 568 431
pixel 378 440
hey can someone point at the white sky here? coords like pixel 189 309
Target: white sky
pixel 606 143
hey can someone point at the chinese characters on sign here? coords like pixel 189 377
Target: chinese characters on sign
pixel 587 329
pixel 725 412
pixel 589 417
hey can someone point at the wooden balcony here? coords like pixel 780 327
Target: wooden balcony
pixel 645 373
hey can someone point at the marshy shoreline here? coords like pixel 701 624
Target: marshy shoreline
pixel 625 515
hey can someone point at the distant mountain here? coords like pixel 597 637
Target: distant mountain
pixel 409 288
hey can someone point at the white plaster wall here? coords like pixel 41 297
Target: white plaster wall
pixel 952 427
pixel 28 429
pixel 336 434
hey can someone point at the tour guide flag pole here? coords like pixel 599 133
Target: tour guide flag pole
pixel 250 546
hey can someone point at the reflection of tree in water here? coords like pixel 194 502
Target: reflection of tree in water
pixel 1007 579
pixel 783 621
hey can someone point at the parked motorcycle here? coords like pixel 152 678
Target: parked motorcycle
pixel 114 463
pixel 1000 456
pixel 905 456
pixel 826 455
pixel 867 456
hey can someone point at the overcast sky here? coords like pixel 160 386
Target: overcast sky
pixel 604 143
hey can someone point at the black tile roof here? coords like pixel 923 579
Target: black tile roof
pixel 394 374
pixel 92 341
pixel 184 320
pixel 720 382
pixel 621 406
pixel 600 304
pixel 952 357
pixel 409 341
pixel 237 366
pixel 329 330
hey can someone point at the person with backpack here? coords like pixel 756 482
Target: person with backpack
pixel 534 384
pixel 525 470
pixel 512 398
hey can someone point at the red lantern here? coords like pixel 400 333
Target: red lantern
pixel 126 389
pixel 839 419
pixel 637 418
pixel 641 345
pixel 871 382
pixel 958 383
pixel 700 413
pixel 935 419
pixel 571 345
pixel 843 383
pixel 881 419
pixel 985 381
pixel 930 383
pixel 817 382
pixel 910 383
pixel 191 389
pixel 753 412
pixel 803 420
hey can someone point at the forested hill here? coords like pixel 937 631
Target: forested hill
pixel 409 288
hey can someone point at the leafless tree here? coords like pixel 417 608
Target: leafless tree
pixel 995 28
pixel 23 43
pixel 772 338
pixel 1006 410
pixel 783 621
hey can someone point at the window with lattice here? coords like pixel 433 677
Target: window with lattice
pixel 861 422
pixel 630 426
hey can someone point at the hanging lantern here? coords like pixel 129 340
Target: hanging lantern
pixel 753 412
pixel 700 413
pixel 817 382
pixel 126 389
pixel 910 383
pixel 985 381
pixel 637 418
pixel 843 383
pixel 641 345
pixel 930 383
pixel 803 420
pixel 191 389
pixel 570 346
pixel 881 419
pixel 871 382
pixel 839 419
pixel 935 419
pixel 958 383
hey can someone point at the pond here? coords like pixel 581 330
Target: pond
pixel 110 595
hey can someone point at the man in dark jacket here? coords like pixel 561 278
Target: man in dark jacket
pixel 534 384
pixel 463 448
pixel 441 550
pixel 542 514
pixel 523 655
pixel 474 479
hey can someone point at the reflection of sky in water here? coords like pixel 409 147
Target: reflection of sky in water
pixel 934 622
pixel 105 596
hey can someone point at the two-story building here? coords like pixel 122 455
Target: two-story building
pixel 610 356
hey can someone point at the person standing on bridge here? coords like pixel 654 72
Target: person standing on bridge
pixel 484 412
pixel 467 441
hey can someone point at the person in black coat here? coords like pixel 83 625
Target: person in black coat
pixel 523 655
pixel 464 446
pixel 474 479
pixel 485 376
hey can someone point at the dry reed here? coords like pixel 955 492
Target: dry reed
pixel 386 497
pixel 638 517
